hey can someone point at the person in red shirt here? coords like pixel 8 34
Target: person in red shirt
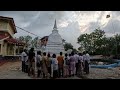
pixel 60 65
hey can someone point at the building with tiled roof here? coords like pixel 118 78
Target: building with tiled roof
pixel 44 40
pixel 8 44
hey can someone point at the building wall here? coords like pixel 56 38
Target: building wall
pixel 5 26
pixel 14 52
pixel 7 49
pixel 10 30
pixel 1 44
pixel 4 49
pixel 44 41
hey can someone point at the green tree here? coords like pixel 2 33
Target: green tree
pixel 34 42
pixel 83 40
pixel 80 49
pixel 68 46
pixel 97 37
pixel 91 42
pixel 27 39
pixel 74 50
pixel 98 43
pixel 21 38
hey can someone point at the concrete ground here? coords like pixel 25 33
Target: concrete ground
pixel 12 70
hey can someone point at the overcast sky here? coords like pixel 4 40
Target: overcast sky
pixel 71 24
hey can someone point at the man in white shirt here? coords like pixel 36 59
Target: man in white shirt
pixel 76 61
pixel 86 58
pixel 54 67
pixel 24 59
pixel 80 57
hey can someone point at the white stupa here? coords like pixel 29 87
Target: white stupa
pixel 55 43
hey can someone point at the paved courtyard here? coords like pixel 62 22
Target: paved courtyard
pixel 12 70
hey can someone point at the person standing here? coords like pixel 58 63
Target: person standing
pixel 72 64
pixel 31 62
pixel 26 62
pixel 86 59
pixel 88 62
pixel 54 67
pixel 23 57
pixel 60 64
pixel 80 65
pixel 38 63
pixel 76 61
pixel 44 65
pixel 69 65
pixel 49 61
pixel 66 64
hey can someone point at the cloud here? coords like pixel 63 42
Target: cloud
pixel 112 27
pixel 71 33
pixel 70 24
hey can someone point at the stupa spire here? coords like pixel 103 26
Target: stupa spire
pixel 55 25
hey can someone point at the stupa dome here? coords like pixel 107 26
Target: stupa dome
pixel 54 44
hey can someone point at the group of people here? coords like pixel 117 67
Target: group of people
pixel 76 64
pixel 53 66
